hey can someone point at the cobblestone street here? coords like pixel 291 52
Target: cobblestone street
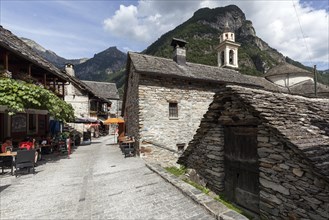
pixel 97 182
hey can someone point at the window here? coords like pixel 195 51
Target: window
pixel 222 58
pixel 231 57
pixel 93 105
pixel 32 124
pixel 173 110
pixel 180 147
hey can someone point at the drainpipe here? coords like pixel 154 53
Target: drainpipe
pixel 315 82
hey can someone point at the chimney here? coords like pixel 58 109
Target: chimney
pixel 69 69
pixel 179 55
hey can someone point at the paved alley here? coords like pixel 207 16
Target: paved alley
pixel 97 182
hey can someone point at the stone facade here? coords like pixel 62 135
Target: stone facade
pixel 290 185
pixel 155 124
pixel 147 110
pixel 132 106
pixel 80 103
pixel 205 153
pixel 115 108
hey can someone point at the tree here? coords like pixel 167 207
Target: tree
pixel 20 95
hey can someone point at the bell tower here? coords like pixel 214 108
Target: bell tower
pixel 227 49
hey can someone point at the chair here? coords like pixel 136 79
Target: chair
pixel 25 159
pixel 6 162
pixel 128 149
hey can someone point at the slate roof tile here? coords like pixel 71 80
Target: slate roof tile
pixel 310 136
pixel 103 89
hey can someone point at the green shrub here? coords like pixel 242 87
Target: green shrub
pixel 198 186
pixel 176 171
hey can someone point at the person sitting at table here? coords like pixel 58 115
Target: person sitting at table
pixel 7 145
pixel 29 144
pixel 44 140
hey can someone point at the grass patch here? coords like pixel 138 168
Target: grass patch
pixel 220 198
pixel 176 171
pixel 226 202
pixel 205 190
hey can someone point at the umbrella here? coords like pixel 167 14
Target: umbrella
pixel 114 121
pixel 85 120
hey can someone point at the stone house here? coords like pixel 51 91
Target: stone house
pixel 19 62
pixel 296 80
pixel 165 99
pixel 266 151
pixel 108 91
pixel 87 99
pixel 275 162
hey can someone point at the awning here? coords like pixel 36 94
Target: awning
pixel 114 121
pixel 85 120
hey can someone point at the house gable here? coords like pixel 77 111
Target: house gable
pixel 292 148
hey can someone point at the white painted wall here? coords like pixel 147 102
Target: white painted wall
pixel 115 108
pixel 80 104
pixel 289 80
pixel 227 36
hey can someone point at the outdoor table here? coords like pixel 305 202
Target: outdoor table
pixel 128 147
pixel 46 147
pixel 13 155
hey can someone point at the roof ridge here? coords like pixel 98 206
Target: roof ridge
pixel 98 82
pixel 196 64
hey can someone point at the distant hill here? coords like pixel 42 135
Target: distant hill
pixel 106 66
pixel 102 66
pixel 51 56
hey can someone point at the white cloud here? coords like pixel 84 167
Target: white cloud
pixel 130 24
pixel 275 22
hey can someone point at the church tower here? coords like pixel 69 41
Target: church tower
pixel 227 49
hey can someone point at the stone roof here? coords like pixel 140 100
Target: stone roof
pixel 12 43
pixel 103 89
pixel 301 121
pixel 307 88
pixel 286 68
pixel 168 68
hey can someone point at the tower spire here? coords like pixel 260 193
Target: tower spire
pixel 227 49
pixel 226 27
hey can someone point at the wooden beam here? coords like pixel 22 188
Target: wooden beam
pixel 236 122
pixel 29 69
pixel 54 86
pixel 45 80
pixel 6 61
pixel 63 89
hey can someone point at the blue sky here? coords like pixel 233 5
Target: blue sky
pixel 76 29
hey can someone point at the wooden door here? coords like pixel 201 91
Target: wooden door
pixel 241 166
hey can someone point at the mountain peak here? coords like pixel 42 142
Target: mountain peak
pixel 202 31
pixel 102 65
pixel 34 45
pixel 49 55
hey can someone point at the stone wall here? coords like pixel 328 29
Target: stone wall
pixel 205 153
pixel 288 186
pixel 165 157
pixel 131 107
pixel 155 125
pixel 80 104
pixel 114 110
